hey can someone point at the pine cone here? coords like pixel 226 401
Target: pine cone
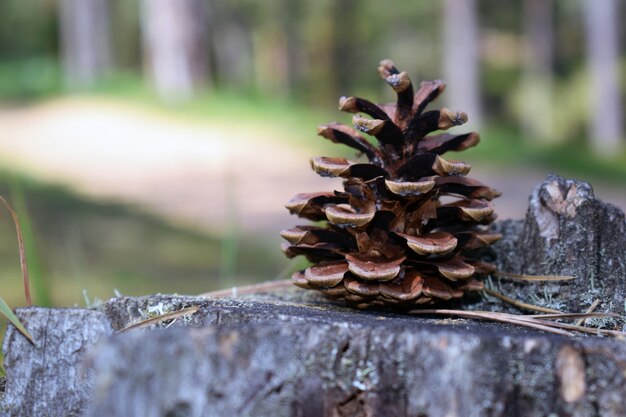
pixel 409 225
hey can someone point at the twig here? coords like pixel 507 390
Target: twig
pixel 249 289
pixel 519 304
pixel 160 318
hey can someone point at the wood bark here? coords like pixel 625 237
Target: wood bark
pixel 606 109
pixel 48 379
pixel 293 353
pixel 461 58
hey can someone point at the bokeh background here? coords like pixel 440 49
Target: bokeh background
pixel 149 145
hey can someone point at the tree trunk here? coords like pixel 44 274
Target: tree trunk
pixel 85 41
pixel 231 42
pixel 461 58
pixel 175 41
pixel 537 77
pixel 320 37
pixel 606 129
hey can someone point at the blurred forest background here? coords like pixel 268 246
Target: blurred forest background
pixel 149 145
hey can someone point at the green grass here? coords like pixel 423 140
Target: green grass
pixel 100 247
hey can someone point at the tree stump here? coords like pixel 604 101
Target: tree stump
pixel 48 379
pixel 567 231
pixel 293 353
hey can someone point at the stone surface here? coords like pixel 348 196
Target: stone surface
pixel 293 353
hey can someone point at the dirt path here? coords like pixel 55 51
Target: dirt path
pixel 202 174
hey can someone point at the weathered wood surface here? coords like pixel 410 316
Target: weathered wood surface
pixel 302 361
pixel 48 379
pixel 295 354
pixel 567 231
pixel 250 358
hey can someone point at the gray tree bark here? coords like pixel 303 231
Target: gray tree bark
pixel 605 104
pixel 461 58
pixel 537 75
pixel 567 231
pixel 85 41
pixel 175 42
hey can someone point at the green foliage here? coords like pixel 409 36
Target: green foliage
pixel 502 146
pixel 29 78
pixel 28 28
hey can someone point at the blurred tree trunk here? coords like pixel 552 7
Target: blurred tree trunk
pixel 175 42
pixel 320 35
pixel 461 58
pixel 606 129
pixel 231 44
pixel 537 76
pixel 85 41
pixel 292 22
pixel 271 58
pixel 343 48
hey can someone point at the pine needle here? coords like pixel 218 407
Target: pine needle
pixel 519 304
pixel 539 322
pixel 160 318
pixel 494 316
pixel 584 329
pixel 592 307
pixel 22 251
pixel 532 278
pixel 573 315
pixel 234 292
